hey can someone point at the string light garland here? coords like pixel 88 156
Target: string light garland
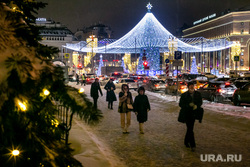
pixel 149 32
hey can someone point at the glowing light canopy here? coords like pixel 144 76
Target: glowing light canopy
pixel 149 32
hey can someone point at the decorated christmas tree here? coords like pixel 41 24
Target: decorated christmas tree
pixel 193 66
pixel 30 87
pixel 99 72
pixel 124 67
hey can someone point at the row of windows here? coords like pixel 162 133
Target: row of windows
pixel 54 38
pixel 55 32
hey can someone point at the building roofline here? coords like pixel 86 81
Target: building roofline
pixel 220 17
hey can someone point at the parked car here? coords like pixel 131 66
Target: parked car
pixel 130 82
pixel 210 76
pixel 90 78
pixel 217 91
pixel 221 80
pixel 189 76
pixel 239 83
pixel 171 88
pixel 242 95
pixel 156 84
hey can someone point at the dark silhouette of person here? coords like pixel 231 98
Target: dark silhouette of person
pixel 190 103
pixel 141 108
pixel 95 87
pixel 110 87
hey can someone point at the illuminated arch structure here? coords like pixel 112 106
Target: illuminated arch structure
pixel 150 35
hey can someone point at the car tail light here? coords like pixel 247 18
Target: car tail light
pixel 227 83
pixel 156 86
pixel 144 81
pixel 219 90
pixel 135 80
pixel 182 87
pixel 87 79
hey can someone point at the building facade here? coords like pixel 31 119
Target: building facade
pixel 234 26
pixel 99 30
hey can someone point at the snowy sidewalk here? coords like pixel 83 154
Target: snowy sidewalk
pixel 88 149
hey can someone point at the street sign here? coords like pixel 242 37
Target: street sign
pixel 177 55
pixel 167 61
pixel 66 55
pixel 177 63
pixel 236 58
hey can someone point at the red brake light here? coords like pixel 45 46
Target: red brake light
pixel 87 79
pixel 227 83
pixel 182 87
pixel 135 80
pixel 156 86
pixel 144 81
pixel 219 90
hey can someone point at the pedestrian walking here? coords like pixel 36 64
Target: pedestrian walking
pixel 95 87
pixel 83 79
pixel 125 107
pixel 141 108
pixel 77 79
pixel 110 97
pixel 190 103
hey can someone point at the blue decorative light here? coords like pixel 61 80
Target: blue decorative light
pixel 193 67
pixel 99 72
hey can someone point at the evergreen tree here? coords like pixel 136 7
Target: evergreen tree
pixel 27 115
pixel 193 66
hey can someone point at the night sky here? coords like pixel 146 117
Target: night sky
pixel 123 15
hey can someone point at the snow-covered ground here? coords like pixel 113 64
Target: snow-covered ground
pixel 229 109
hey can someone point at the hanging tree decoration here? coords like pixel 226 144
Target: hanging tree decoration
pixel 99 72
pixel 193 66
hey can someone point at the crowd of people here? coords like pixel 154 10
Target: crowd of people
pixel 190 103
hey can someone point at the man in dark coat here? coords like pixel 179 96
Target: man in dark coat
pixel 110 87
pixel 190 103
pixel 141 108
pixel 94 91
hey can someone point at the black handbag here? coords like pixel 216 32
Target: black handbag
pixel 182 116
pixel 199 114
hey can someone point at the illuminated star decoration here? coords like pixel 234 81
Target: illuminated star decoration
pixel 149 6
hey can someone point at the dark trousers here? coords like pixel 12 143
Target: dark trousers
pixel 95 102
pixel 110 105
pixel 189 138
